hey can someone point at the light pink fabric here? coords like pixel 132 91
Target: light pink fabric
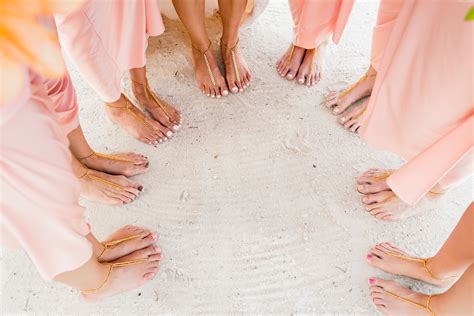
pixel 314 21
pixel 39 208
pixel 422 103
pixel 387 14
pixel 106 38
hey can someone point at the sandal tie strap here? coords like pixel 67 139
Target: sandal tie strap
pixel 206 60
pixel 107 245
pixel 109 272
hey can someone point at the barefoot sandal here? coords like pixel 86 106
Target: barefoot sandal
pixel 206 60
pixel 234 59
pixel 311 65
pixel 111 157
pixel 425 263
pixel 155 98
pixel 425 307
pixel 107 245
pixel 128 108
pixel 111 267
pixel 97 179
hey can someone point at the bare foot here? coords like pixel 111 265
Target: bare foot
pixel 128 277
pixel 379 200
pixel 312 66
pixel 160 110
pixel 288 65
pixel 127 164
pixel 213 86
pixel 383 296
pixel 340 101
pixel 352 119
pixel 390 259
pixel 108 189
pixel 143 238
pixel 238 76
pixel 134 121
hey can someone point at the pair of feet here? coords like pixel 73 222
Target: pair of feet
pixel 164 120
pixel 138 245
pixel 343 102
pixel 388 296
pixel 380 201
pixel 209 78
pixel 306 66
pixel 106 179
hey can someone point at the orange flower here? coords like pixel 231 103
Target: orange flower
pixel 28 38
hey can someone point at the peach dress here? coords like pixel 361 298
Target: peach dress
pixel 314 21
pixel 39 208
pixel 422 104
pixel 107 38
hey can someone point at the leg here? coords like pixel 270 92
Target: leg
pixel 89 30
pixel 454 257
pixel 161 111
pixel 390 298
pixel 237 74
pixel 314 22
pixel 208 76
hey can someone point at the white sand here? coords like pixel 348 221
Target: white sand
pixel 254 198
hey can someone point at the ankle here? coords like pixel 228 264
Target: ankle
pixel 201 46
pixel 229 41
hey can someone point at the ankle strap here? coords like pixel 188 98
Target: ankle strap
pixel 204 51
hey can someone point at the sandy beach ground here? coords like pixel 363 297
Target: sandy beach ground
pixel 254 198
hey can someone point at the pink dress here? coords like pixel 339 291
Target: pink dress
pixel 314 21
pixel 39 208
pixel 107 38
pixel 422 104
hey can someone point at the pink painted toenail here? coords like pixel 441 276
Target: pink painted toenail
pixel 369 257
pixel 371 281
pixel 154 236
pixel 157 249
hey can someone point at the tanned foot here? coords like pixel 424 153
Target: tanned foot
pixel 237 80
pixel 168 116
pixel 377 197
pixel 126 164
pixel 390 305
pixel 135 122
pixel 288 65
pixel 144 238
pixel 129 277
pixel 108 189
pixel 216 88
pixel 391 259
pixel 312 66
pixel 340 101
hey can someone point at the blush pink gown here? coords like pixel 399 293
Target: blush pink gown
pixel 39 208
pixel 422 104
pixel 314 21
pixel 107 38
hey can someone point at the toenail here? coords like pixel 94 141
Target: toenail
pixel 225 93
pixel 213 96
pixel 235 89
pixel 371 281
pixel 154 237
pixel 290 76
pixel 156 248
pixel 336 110
pixel 169 133
pixel 208 95
pixel 140 188
pixel 241 90
pixel 248 84
pixel 301 80
pixel 218 96
pixel 165 139
pixel 160 141
pixel 369 257
pixel 343 119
